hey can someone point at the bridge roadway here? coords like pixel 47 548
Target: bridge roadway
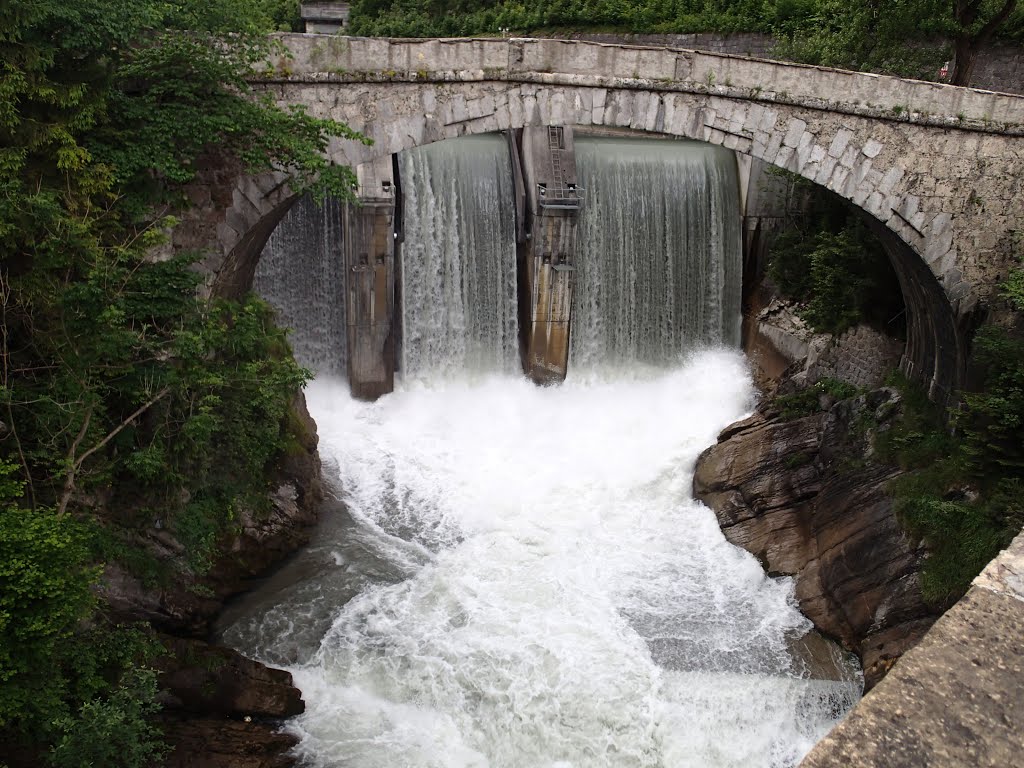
pixel 937 168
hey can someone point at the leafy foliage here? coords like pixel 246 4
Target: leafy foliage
pixel 113 732
pixel 1013 289
pixel 993 418
pixel 867 35
pixel 45 584
pixel 905 37
pixel 465 17
pixel 808 400
pixel 126 401
pixel 963 495
pixel 836 270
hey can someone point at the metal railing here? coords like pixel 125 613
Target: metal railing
pixel 565 197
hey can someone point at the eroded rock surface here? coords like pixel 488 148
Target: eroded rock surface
pixel 805 497
pixel 210 680
pixel 222 743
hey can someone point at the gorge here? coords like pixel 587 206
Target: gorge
pixel 525 579
pixel 457 564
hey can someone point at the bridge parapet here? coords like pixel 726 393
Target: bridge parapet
pixel 318 58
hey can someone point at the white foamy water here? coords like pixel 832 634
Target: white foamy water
pixel 536 588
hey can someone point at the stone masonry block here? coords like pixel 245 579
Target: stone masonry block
pixel 768 120
pixel 794 132
pixel 872 148
pixel 849 157
pixel 839 143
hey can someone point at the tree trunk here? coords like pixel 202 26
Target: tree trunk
pixel 966 45
pixel 964 55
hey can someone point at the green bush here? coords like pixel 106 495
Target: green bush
pixel 836 271
pixel 963 495
pixel 808 400
pixel 992 419
pixel 45 581
pixel 406 18
pixel 116 731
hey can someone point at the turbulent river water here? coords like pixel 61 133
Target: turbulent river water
pixel 516 576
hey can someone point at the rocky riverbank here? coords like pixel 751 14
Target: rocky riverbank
pixel 799 484
pixel 807 498
pixel 221 710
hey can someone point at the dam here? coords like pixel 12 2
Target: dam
pixel 517 574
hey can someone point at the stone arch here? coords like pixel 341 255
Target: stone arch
pixel 876 164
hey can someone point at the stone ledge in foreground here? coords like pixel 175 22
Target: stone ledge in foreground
pixel 955 699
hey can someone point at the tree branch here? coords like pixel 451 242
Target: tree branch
pixel 69 482
pixel 990 27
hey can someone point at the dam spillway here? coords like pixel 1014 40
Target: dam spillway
pixel 520 576
pixel 458 259
pixel 655 258
pixel 659 271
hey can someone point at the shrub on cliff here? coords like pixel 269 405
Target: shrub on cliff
pixel 125 401
pixel 45 578
pixel 835 269
pixel 966 483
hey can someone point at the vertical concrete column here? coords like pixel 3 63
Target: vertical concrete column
pixel 369 253
pixel 553 202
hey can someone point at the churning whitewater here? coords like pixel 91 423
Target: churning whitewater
pixel 537 587
pixel 519 576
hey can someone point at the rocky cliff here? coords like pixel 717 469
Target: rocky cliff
pixel 807 496
pixel 221 709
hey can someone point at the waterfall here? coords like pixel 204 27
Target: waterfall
pixel 659 266
pixel 458 260
pixel 301 274
pixel 520 577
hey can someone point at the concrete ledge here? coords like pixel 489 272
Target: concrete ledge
pixel 954 700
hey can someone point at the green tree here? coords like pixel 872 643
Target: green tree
pixel 45 581
pixel 974 23
pixel 126 401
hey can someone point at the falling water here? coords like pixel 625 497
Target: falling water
pixel 458 259
pixel 520 577
pixel 300 273
pixel 659 268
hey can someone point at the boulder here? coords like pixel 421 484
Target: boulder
pixel 222 743
pixel 205 680
pixel 220 708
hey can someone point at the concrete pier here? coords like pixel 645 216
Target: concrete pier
pixel 546 256
pixel 369 252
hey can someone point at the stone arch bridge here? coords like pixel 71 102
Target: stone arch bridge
pixel 936 168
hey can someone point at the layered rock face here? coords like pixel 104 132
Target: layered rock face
pixel 805 496
pixel 217 705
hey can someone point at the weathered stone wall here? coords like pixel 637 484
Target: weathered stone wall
pixel 955 699
pixel 862 357
pixel 999 67
pixel 938 167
